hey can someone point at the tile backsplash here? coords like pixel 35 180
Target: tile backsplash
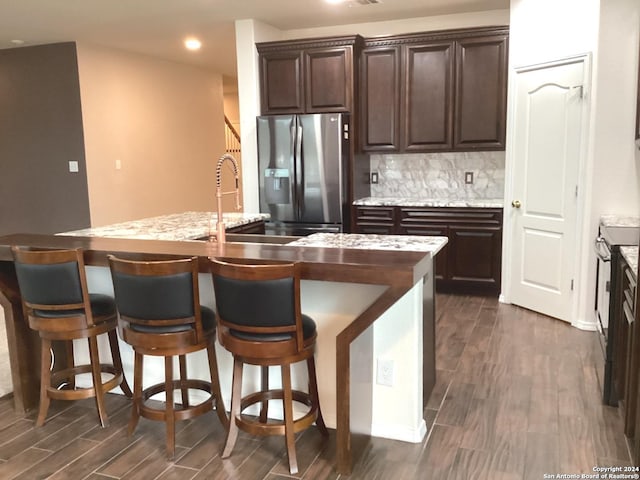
pixel 439 175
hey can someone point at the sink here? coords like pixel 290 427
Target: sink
pixel 255 238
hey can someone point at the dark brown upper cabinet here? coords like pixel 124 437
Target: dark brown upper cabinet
pixel 380 91
pixel 428 97
pixel 281 79
pixel 451 95
pixel 481 93
pixel 308 76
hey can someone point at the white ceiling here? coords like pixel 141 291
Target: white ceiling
pixel 158 27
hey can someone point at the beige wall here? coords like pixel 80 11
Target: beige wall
pixel 162 121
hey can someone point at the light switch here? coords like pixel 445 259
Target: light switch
pixel 118 164
pixel 73 166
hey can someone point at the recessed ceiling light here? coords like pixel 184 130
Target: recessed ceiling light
pixel 335 1
pixel 17 42
pixel 192 44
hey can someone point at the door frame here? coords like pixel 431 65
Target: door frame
pixel 584 167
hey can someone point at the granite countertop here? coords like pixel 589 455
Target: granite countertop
pixel 429 202
pixel 630 254
pixel 176 226
pixel 408 243
pixel 619 221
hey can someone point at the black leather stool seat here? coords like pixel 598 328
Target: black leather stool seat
pixel 101 306
pixel 208 324
pixel 308 331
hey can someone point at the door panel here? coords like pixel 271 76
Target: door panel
pixel 380 83
pixel 428 97
pixel 481 92
pixel 542 270
pixel 281 82
pixel 327 76
pixel 547 144
pixel 318 169
pixel 276 147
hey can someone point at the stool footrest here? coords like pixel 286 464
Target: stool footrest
pixel 274 427
pixel 180 412
pixel 81 393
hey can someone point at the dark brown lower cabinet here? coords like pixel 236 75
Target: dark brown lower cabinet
pixel 375 220
pixel 626 352
pixel 471 260
pixel 478 250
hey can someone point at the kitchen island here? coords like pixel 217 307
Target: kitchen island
pixel 369 304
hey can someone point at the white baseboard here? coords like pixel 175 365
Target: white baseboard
pixel 393 432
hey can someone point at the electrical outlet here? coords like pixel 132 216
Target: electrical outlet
pixel 385 372
pixel 468 177
pixel 374 178
pixel 73 166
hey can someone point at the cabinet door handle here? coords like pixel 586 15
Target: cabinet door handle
pixel 516 204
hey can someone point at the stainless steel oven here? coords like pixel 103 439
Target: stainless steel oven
pixel 607 245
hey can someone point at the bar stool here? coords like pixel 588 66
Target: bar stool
pixel 260 323
pixel 53 286
pixel 161 315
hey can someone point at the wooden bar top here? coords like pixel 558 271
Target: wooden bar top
pixel 400 268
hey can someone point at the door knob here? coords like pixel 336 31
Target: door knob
pixel 516 204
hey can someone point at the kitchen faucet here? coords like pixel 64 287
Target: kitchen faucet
pixel 220 235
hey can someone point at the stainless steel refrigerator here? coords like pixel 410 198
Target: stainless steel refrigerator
pixel 302 173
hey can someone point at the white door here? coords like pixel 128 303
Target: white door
pixel 546 150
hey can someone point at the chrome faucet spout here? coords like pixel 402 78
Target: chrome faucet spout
pixel 221 232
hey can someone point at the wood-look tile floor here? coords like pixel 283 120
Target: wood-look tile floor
pixel 517 396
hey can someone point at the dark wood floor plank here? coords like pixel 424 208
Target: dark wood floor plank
pixel 480 425
pixel 22 461
pixel 443 379
pixel 440 452
pixel 323 467
pixel 95 458
pixel 388 459
pixel 175 472
pixel 513 407
pixel 127 459
pixel 309 444
pixel 152 466
pixel 470 464
pixel 576 449
pixel 541 455
pixel 508 456
pixel 455 406
pixel 607 425
pixel 543 410
pixel 59 459
pixel 429 418
pixel 207 448
pixel 40 436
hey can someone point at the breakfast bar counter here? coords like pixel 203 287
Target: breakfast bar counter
pixel 372 299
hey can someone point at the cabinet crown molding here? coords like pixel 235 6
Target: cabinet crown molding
pixel 420 37
pixel 321 42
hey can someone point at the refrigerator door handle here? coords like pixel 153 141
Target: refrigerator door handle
pixel 299 173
